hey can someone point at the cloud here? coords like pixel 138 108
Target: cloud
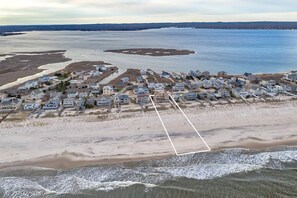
pixel 118 11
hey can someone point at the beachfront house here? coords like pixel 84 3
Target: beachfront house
pixel 142 99
pixel 9 104
pixel 31 106
pixel 80 103
pixel 140 90
pixel 91 101
pixel 223 93
pixel 37 94
pixel 178 87
pixel 190 96
pixel 104 101
pixel 211 95
pixel 161 96
pixel 52 104
pixel 177 96
pixel 121 99
pixel 241 93
pixel 68 103
pixel 256 91
pixel 108 90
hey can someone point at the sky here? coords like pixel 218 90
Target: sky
pixel 20 12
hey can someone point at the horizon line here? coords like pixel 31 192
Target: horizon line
pixel 131 23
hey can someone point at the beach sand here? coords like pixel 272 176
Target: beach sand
pixel 67 142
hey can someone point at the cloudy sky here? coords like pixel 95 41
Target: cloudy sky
pixel 129 11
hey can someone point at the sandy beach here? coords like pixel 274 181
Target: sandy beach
pixel 66 142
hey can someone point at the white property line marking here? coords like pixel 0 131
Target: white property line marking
pixel 163 125
pixel 190 123
pixel 208 148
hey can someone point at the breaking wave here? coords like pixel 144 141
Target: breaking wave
pixel 34 181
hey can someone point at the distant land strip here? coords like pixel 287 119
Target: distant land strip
pixel 6 30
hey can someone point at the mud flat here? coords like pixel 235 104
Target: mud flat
pixel 23 65
pixel 153 51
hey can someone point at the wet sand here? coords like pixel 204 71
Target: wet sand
pixel 68 142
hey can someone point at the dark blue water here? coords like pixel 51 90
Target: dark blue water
pixel 235 51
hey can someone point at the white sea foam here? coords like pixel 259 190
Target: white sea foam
pixel 202 166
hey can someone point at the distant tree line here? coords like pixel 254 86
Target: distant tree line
pixel 144 26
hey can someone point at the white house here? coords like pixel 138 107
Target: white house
pixel 37 94
pixel 68 103
pixel 93 85
pixel 101 68
pixel 72 94
pixel 108 90
pixel 104 101
pixel 31 106
pixel 29 85
pixel 52 104
pixel 83 94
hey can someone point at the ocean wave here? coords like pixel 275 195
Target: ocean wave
pixel 202 166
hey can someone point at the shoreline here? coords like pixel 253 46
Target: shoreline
pixel 70 142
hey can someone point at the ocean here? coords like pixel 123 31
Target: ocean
pixel 234 51
pixel 226 173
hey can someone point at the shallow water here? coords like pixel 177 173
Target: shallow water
pixel 235 51
pixel 229 173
